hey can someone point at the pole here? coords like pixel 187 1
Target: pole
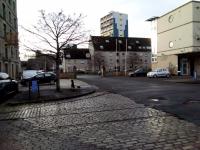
pixel 116 69
pixel 45 63
pixel 126 59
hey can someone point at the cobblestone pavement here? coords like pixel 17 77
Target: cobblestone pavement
pixel 99 121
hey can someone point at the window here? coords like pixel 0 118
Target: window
pixel 39 76
pixel 47 75
pixel 148 47
pixel 16 54
pixel 4 30
pixel 4 11
pixel 137 42
pixel 107 41
pixel 14 6
pixel 6 52
pixel 171 18
pixel 15 23
pixel 12 54
pixel 9 16
pixel 16 69
pixel 101 47
pixel 129 47
pixel 171 44
pixel 6 68
pixel 12 68
pixel 117 54
pixel 119 41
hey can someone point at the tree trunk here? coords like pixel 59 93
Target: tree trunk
pixel 58 76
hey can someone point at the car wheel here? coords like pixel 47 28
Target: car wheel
pixel 52 82
pixel 154 76
pixel 167 75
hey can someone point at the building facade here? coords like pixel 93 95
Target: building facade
pixel 78 58
pixel 179 39
pixel 114 24
pixel 9 52
pixel 119 54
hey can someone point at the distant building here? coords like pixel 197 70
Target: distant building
pixel 76 57
pixel 119 54
pixel 40 62
pixel 9 53
pixel 114 24
pixel 179 39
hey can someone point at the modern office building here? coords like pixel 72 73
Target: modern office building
pixel 179 39
pixel 9 52
pixel 114 24
pixel 119 54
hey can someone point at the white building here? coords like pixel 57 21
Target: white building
pixel 76 57
pixel 179 39
pixel 114 24
pixel 119 54
pixel 9 53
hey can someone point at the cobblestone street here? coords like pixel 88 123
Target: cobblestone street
pixel 99 121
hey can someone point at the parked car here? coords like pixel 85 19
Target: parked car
pixel 161 72
pixel 141 72
pixel 7 85
pixel 80 71
pixel 30 73
pixel 42 77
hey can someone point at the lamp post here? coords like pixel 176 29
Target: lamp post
pixel 116 67
pixel 126 59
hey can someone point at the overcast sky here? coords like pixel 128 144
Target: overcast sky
pixel 138 11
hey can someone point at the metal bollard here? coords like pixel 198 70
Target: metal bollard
pixel 72 84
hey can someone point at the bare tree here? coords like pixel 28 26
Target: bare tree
pixel 55 31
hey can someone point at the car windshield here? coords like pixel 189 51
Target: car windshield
pixel 156 70
pixel 30 73
pixel 138 70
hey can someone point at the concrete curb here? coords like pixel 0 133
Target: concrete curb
pixel 84 92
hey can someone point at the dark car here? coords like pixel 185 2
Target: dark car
pixel 138 73
pixel 8 86
pixel 43 77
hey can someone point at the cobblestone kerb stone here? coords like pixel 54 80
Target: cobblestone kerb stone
pixel 48 95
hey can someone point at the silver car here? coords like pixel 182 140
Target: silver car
pixel 161 72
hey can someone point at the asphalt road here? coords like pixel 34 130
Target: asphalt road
pixel 179 99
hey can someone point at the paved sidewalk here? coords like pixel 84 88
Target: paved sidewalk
pixel 48 93
pixel 99 121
